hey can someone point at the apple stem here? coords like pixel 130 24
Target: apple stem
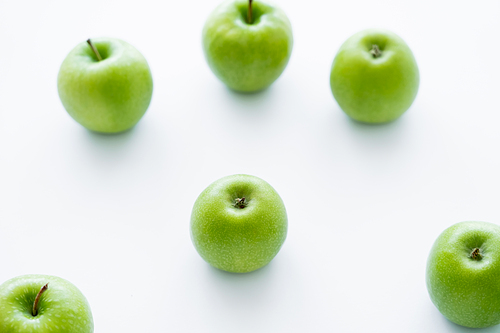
pixel 240 203
pixel 476 254
pixel 375 51
pixel 96 52
pixel 37 299
pixel 249 16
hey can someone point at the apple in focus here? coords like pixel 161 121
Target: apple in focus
pixel 238 223
pixel 43 304
pixel 105 85
pixel 247 44
pixel 374 76
pixel 463 274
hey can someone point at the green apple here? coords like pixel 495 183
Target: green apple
pixel 374 76
pixel 43 304
pixel 238 223
pixel 105 85
pixel 463 274
pixel 247 44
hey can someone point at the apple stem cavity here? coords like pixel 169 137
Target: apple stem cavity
pixel 240 203
pixel 37 299
pixel 94 49
pixel 375 51
pixel 249 16
pixel 476 254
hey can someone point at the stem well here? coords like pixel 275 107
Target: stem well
pixel 249 15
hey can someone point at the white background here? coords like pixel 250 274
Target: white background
pixel 365 203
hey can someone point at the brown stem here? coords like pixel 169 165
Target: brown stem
pixel 375 51
pixel 99 58
pixel 476 254
pixel 37 299
pixel 240 203
pixel 249 16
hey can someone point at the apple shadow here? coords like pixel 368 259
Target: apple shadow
pixel 251 102
pixel 380 141
pixel 377 148
pixel 110 139
pixel 110 146
pixel 452 327
pixel 380 133
pixel 260 293
pixel 250 288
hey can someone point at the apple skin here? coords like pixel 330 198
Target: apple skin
pixel 374 90
pixel 62 307
pixel 233 239
pixel 107 96
pixel 247 57
pixel 466 291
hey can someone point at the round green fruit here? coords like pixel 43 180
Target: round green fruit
pixel 463 274
pixel 43 304
pixel 247 52
pixel 374 76
pixel 238 223
pixel 108 95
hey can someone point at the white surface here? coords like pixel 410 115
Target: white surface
pixel 365 203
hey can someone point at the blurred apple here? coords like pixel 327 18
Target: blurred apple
pixel 374 76
pixel 105 85
pixel 247 44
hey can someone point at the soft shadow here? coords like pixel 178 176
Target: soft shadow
pixel 452 327
pixel 254 102
pixel 109 148
pixel 103 154
pixel 248 287
pixel 377 149
pixel 377 132
pixel 110 141
pixel 382 139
